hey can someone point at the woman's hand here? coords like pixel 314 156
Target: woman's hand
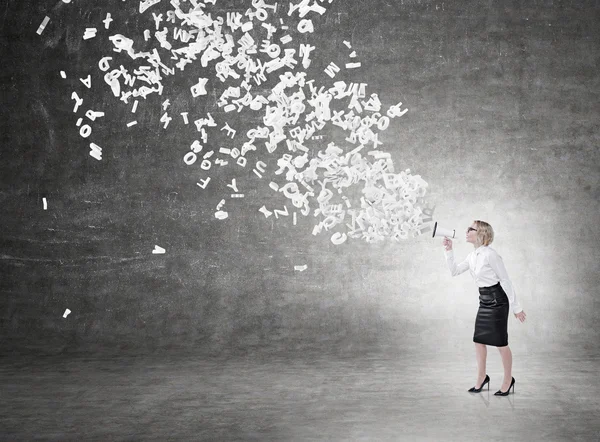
pixel 520 316
pixel 448 243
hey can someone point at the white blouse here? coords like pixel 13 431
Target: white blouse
pixel 487 269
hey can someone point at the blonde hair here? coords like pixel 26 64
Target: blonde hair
pixel 485 233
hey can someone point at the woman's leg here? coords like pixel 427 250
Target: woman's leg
pixel 506 355
pixel 481 354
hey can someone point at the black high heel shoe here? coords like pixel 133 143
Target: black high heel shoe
pixel 500 393
pixel 477 390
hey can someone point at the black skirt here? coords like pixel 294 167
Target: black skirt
pixel 492 317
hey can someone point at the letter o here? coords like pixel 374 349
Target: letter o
pixel 383 123
pixel 190 158
pixel 261 14
pixel 85 131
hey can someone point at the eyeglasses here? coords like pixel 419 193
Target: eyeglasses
pixel 471 228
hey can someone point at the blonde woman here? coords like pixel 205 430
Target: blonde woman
pixel 496 298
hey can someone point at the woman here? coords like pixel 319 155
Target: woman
pixel 496 297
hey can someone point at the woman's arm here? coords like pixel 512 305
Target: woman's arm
pixel 497 265
pixel 456 269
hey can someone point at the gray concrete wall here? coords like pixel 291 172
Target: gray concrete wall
pixel 503 122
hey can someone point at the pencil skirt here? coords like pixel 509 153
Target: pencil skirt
pixel 492 317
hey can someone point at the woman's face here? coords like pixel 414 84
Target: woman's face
pixel 472 234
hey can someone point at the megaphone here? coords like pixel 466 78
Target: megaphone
pixel 440 231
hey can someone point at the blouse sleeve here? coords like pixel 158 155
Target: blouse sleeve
pixel 456 269
pixel 497 265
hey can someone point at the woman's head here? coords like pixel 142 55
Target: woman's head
pixel 480 233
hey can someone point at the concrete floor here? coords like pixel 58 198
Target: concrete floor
pixel 308 397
